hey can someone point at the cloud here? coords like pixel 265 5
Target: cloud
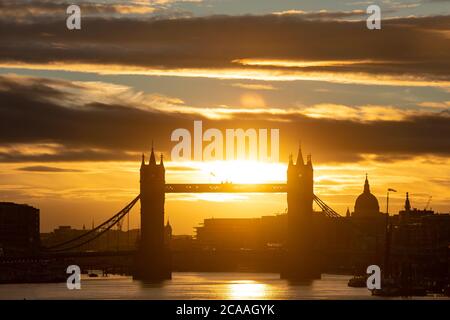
pixel 39 10
pixel 399 5
pixel 46 169
pixel 435 105
pixel 253 86
pixel 322 14
pixel 41 120
pixel 358 113
pixel 407 51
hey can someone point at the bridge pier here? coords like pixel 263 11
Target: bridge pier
pixel 301 262
pixel 153 266
pixel 153 261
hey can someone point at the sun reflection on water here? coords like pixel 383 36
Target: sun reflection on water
pixel 246 289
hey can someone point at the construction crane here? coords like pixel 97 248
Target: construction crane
pixel 422 194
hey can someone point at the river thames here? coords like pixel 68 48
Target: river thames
pixel 195 285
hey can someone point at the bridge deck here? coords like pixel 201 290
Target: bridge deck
pixel 226 188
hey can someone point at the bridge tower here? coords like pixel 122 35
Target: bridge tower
pixel 153 258
pixel 301 262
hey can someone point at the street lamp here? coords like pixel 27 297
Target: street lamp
pixel 387 199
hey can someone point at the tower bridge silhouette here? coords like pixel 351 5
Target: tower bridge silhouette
pixel 152 259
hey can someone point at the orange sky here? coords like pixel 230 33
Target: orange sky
pixel 77 109
pixel 98 190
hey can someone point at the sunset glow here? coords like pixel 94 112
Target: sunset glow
pixel 73 128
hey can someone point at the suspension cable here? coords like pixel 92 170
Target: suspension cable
pixel 329 212
pixel 105 226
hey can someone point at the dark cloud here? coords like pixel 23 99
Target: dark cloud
pixel 388 158
pixel 46 169
pixel 404 46
pixel 36 11
pixel 100 131
pixel 328 15
pixel 49 8
pixel 443 182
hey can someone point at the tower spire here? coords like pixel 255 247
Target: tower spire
pixel 366 185
pixel 300 155
pixel 308 160
pixel 407 203
pixel 161 162
pixel 152 160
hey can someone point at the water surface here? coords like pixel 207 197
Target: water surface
pixel 193 285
